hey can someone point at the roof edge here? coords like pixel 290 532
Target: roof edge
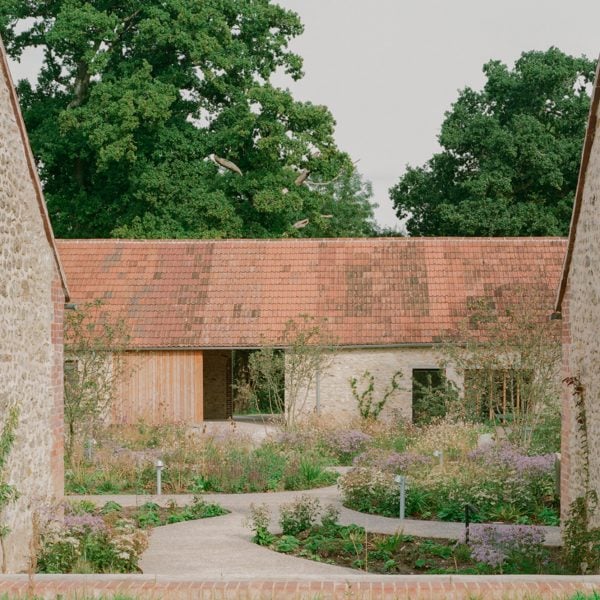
pixel 336 240
pixel 31 166
pixel 585 159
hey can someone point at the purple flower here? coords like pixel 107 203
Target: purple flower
pixel 493 544
pixel 349 441
pixel 85 523
pixel 507 456
pixel 394 462
pixel 400 462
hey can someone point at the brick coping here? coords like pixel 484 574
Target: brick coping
pixel 373 587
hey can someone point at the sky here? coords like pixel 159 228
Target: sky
pixel 389 69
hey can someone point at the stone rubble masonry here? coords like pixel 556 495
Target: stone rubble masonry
pixel 32 301
pixel 335 394
pixel 581 339
pixel 413 587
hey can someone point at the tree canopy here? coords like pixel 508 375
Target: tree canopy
pixel 134 99
pixel 509 155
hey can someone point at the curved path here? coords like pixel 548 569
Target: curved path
pixel 220 547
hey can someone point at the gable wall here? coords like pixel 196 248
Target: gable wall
pixel 31 312
pixel 581 339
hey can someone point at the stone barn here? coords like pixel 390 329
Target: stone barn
pixel 388 304
pixel 579 305
pixel 32 298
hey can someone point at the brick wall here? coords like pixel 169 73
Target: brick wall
pixel 581 350
pixel 335 394
pixel 31 304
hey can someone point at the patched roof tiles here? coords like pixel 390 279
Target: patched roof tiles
pixel 241 293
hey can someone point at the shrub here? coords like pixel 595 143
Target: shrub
pixel 299 515
pixel 347 443
pixel 259 521
pixel 517 547
pixel 87 543
pixel 371 491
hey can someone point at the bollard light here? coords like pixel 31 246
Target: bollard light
pixel 159 467
pixel 401 481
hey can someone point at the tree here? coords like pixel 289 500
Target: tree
pixel 94 346
pixel 510 153
pixel 509 354
pixel 134 99
pixel 283 377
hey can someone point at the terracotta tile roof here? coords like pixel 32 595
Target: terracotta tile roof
pixel 240 293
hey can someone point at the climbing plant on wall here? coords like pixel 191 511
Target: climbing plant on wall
pixel 8 492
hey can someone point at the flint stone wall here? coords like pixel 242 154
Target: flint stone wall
pixel 31 329
pixel 581 342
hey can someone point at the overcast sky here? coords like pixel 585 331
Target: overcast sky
pixel 388 69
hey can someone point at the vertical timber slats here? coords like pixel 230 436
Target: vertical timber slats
pixel 160 387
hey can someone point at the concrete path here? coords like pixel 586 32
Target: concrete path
pixel 220 547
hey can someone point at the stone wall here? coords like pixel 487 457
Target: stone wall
pixel 335 397
pixel 581 339
pixel 31 313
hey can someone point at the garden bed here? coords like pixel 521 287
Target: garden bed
pixel 446 471
pixel 399 554
pixel 108 539
pixel 123 462
pixel 309 531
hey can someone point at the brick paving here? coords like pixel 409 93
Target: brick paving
pixel 413 587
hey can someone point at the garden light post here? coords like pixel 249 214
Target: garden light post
pixel 401 481
pixel 159 467
pixel 439 454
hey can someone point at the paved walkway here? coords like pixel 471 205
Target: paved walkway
pixel 220 547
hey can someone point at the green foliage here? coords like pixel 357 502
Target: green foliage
pixel 133 98
pixel 299 515
pixel 431 401
pixel 194 465
pixel 259 521
pixel 91 544
pixel 581 540
pixel 94 344
pixel 510 153
pixel 151 514
pixel 8 492
pixel 500 481
pixel 368 406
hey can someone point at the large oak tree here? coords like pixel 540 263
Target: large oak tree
pixel 510 153
pixel 133 99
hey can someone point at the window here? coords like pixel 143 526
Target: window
pixel 429 394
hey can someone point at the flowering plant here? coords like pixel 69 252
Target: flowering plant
pixel 498 545
pixel 88 543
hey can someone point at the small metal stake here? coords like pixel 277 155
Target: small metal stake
pixel 401 481
pixel 88 449
pixel 467 522
pixel 159 467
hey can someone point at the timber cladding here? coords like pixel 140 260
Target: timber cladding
pixel 160 386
